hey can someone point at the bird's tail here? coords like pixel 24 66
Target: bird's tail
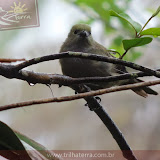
pixel 143 91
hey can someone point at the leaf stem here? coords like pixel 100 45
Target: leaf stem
pixel 138 35
pixel 123 54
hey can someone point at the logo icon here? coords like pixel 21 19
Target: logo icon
pixel 18 14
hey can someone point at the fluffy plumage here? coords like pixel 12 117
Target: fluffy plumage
pixel 80 40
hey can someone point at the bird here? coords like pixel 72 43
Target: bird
pixel 80 40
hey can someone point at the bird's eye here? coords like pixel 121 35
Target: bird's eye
pixel 76 31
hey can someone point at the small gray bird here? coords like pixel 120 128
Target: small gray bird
pixel 80 40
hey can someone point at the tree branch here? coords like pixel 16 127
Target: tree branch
pixel 108 122
pixel 8 60
pixel 81 95
pixel 14 71
pixel 86 56
pixel 98 109
pixel 9 71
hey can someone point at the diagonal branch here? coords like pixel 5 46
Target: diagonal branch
pixel 108 122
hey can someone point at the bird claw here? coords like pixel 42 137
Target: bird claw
pixel 76 92
pixel 59 86
pixel 98 99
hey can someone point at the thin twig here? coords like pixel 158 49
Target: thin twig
pixel 8 60
pixel 121 57
pixel 153 15
pixel 81 95
pixel 144 26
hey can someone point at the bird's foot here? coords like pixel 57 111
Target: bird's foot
pixel 59 86
pixel 76 92
pixel 98 99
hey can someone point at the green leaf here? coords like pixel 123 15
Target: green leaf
pixel 10 146
pixel 129 43
pixel 136 26
pixel 151 31
pixel 157 12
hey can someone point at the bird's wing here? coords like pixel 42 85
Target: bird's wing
pixel 101 50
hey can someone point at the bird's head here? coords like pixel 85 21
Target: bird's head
pixel 80 32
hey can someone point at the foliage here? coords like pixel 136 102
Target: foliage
pixel 10 145
pixel 12 148
pixel 135 42
pixel 138 41
pixel 136 26
pixel 106 10
pixel 151 31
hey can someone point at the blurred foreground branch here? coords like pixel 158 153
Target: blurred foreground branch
pixel 49 155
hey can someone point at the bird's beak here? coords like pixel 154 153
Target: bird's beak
pixel 83 34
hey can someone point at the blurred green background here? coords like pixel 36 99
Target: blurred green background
pixel 70 125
